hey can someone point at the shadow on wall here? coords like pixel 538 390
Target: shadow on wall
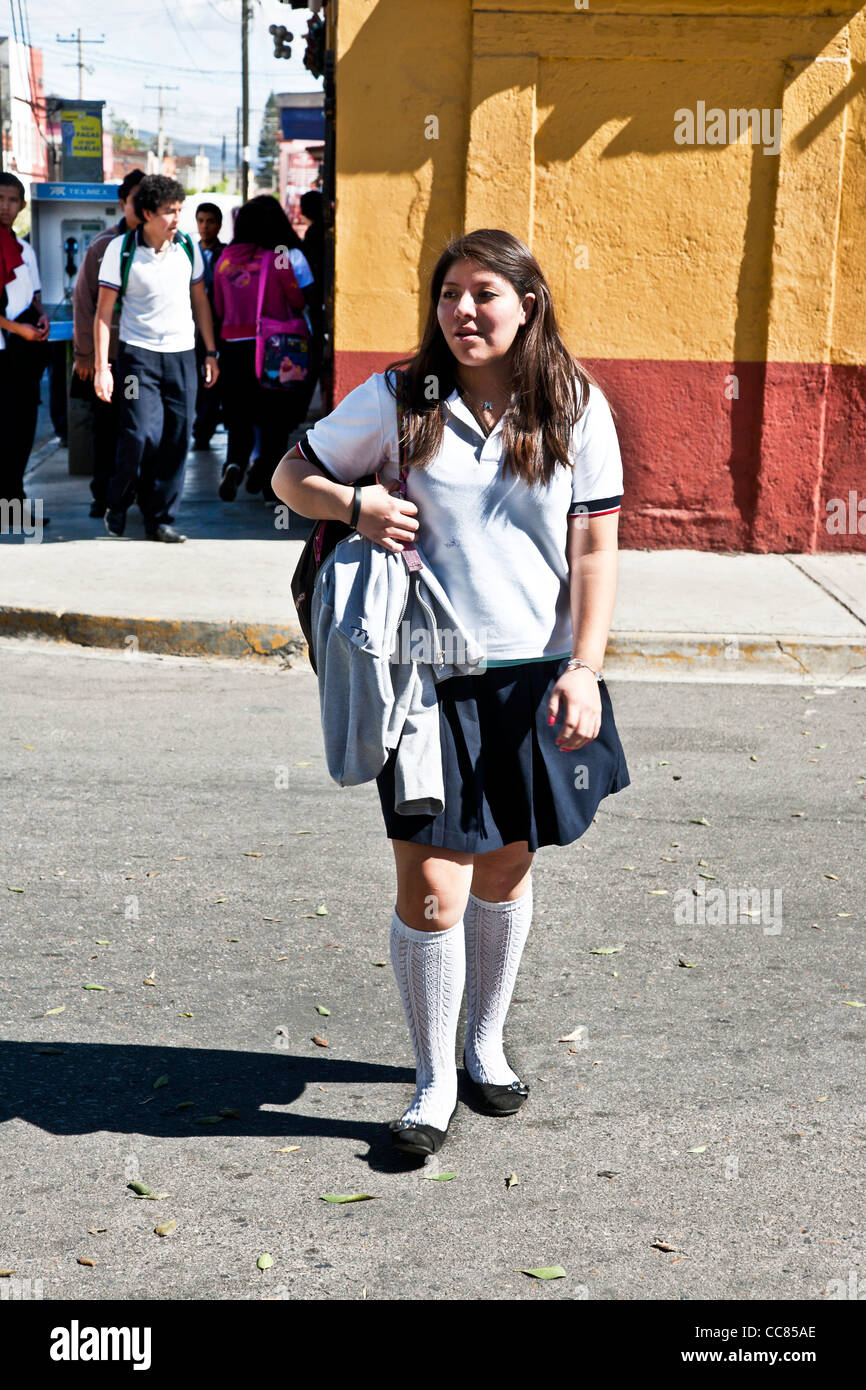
pixel 708 471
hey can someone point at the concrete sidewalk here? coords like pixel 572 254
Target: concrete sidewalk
pixel 226 591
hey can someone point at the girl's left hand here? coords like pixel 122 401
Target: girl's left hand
pixel 577 696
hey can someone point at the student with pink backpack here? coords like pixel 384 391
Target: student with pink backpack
pixel 262 284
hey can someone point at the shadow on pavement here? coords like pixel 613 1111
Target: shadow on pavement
pixel 89 1087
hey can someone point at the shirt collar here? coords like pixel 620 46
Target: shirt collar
pixel 140 241
pixel 461 411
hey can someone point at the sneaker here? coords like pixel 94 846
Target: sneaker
pixel 115 523
pixel 165 533
pixel 253 481
pixel 228 488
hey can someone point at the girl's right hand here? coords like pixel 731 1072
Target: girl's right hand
pixel 386 518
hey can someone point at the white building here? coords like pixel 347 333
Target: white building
pixel 23 139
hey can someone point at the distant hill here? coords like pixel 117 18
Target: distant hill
pixel 213 152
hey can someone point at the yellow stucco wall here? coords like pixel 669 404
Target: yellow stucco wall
pixel 558 123
pixel 717 290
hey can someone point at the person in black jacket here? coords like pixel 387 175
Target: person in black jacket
pixel 208 402
pixel 23 356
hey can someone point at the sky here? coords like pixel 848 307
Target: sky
pixel 193 44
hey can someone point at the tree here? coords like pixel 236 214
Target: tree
pixel 123 133
pixel 269 145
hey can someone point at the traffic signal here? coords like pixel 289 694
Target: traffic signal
pixel 282 40
pixel 314 57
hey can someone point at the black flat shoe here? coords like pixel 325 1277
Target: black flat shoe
pixel 420 1140
pixel 165 533
pixel 500 1100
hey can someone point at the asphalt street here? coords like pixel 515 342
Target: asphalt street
pixel 171 835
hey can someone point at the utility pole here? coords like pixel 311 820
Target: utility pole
pixel 76 38
pixel 238 147
pixel 160 139
pixel 246 16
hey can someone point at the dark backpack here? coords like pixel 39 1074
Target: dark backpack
pixel 325 535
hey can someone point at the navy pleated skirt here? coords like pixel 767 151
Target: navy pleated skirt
pixel 505 778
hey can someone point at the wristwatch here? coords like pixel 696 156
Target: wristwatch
pixel 212 354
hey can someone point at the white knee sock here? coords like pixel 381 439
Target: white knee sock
pixel 495 937
pixel 430 967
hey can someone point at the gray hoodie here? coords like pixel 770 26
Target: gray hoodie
pixel 385 634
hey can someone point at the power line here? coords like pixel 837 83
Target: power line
pixel 26 42
pixel 180 38
pixel 197 28
pixel 169 67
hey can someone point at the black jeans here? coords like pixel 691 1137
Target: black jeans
pixel 19 407
pixel 208 399
pixel 247 405
pixel 105 415
pixel 156 398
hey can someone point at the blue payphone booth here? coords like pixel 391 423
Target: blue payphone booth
pixel 65 218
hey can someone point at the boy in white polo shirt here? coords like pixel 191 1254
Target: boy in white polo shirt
pixel 159 275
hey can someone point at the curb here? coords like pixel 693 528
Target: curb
pixel 739 656
pixel 165 636
pixel 665 655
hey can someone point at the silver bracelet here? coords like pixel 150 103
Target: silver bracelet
pixel 575 662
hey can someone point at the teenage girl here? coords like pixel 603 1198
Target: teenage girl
pixel 262 233
pixel 513 490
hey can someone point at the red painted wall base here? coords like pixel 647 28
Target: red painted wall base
pixel 754 456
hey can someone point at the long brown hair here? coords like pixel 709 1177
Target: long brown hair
pixel 550 386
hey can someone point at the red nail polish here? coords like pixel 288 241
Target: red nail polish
pixel 551 719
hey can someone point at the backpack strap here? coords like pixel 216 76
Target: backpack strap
pixel 411 558
pixel 401 422
pixel 127 255
pixel 186 242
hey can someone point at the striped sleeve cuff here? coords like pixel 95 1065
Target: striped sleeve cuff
pixel 306 449
pixel 109 284
pixel 599 506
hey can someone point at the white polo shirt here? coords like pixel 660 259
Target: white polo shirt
pixel 22 287
pixel 497 546
pixel 156 311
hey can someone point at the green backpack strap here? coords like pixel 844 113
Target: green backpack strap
pixel 127 253
pixel 186 242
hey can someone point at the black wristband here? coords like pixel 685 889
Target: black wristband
pixel 356 509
